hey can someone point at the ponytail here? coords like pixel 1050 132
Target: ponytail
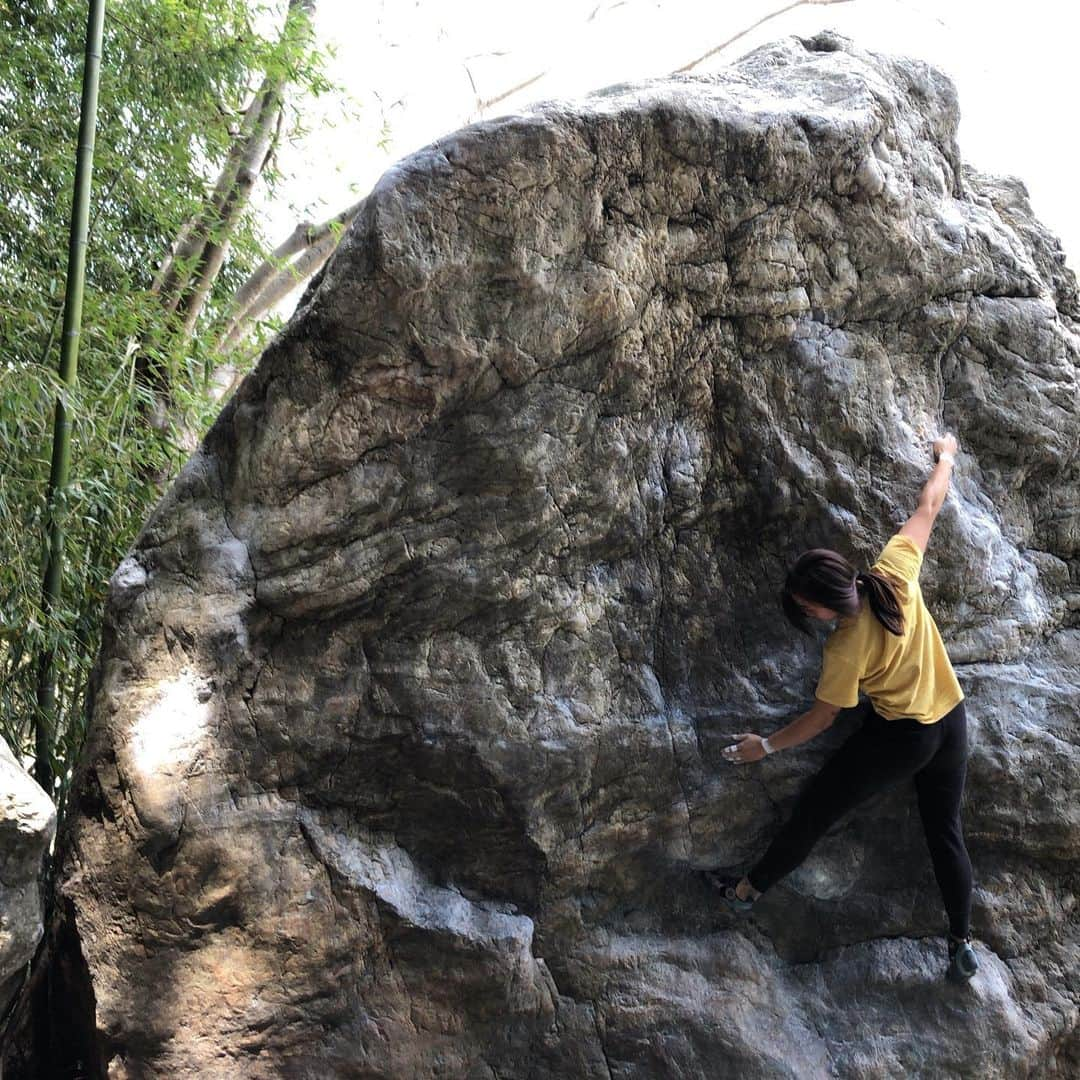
pixel 881 595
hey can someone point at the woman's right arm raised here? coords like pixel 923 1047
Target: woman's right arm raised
pixel 918 526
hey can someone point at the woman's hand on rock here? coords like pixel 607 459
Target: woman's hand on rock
pixel 746 748
pixel 947 443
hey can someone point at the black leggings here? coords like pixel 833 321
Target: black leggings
pixel 881 754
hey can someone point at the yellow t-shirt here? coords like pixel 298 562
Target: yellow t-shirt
pixel 908 676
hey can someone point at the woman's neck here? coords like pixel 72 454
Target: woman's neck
pixel 847 620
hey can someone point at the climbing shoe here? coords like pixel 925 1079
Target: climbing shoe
pixel 725 886
pixel 963 963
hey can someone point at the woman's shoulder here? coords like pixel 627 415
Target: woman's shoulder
pixel 900 559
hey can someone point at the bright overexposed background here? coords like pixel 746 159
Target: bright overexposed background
pixel 418 69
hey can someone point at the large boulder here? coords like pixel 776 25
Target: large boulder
pixel 27 827
pixel 405 750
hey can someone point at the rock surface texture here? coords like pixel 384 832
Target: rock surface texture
pixel 27 825
pixel 407 725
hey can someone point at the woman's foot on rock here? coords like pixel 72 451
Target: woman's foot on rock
pixel 729 888
pixel 963 963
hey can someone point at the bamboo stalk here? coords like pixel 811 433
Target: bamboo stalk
pixel 45 728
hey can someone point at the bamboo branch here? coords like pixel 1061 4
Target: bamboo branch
pixel 743 33
pixel 482 105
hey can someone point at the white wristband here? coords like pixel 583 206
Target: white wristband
pixel 946 455
pixel 767 747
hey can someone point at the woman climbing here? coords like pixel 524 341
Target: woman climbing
pixel 886 644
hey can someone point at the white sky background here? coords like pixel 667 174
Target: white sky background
pixel 419 69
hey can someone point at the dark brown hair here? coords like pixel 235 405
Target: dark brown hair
pixel 825 577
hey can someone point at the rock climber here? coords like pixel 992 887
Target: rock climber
pixel 886 644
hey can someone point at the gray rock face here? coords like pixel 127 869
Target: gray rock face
pixel 27 825
pixel 407 724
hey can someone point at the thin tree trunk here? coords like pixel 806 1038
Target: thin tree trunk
pixel 216 218
pixel 192 259
pixel 189 255
pixel 276 277
pixel 248 118
pixel 297 272
pixel 193 235
pixel 488 102
pixel 259 151
pixel 186 279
